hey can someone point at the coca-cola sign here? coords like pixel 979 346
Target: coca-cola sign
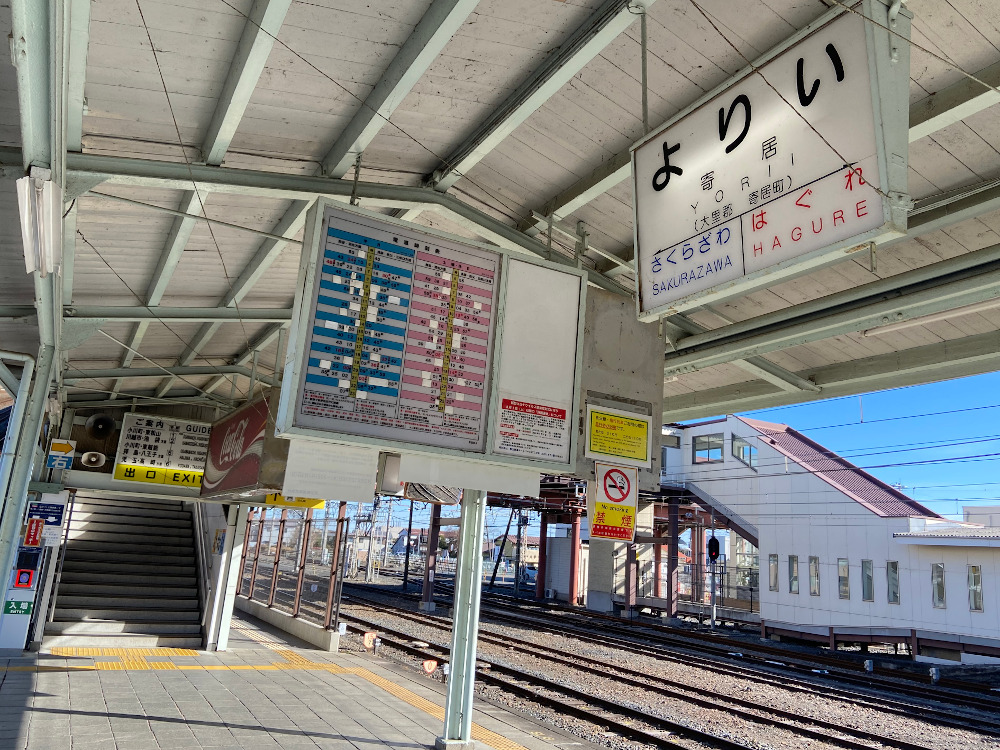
pixel 235 450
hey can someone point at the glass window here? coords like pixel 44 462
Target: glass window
pixel 937 585
pixel 772 572
pixel 793 574
pixel 813 576
pixel 707 448
pixel 892 581
pixel 671 441
pixel 745 452
pixel 867 581
pixel 843 578
pixel 975 588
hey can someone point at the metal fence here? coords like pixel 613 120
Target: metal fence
pixel 736 588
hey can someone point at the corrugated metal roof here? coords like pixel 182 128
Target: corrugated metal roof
pixel 985 532
pixel 854 482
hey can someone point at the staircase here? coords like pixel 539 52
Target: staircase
pixel 128 578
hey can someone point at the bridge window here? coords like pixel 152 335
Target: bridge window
pixel 813 576
pixel 892 580
pixel 867 581
pixel 793 574
pixel 707 449
pixel 745 452
pixel 843 578
pixel 772 572
pixel 975 588
pixel 937 586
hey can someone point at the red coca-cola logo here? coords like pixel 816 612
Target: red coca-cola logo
pixel 232 443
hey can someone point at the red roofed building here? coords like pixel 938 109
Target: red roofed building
pixel 844 557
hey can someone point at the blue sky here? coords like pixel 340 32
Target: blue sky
pixel 883 430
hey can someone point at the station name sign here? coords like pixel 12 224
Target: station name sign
pixel 803 156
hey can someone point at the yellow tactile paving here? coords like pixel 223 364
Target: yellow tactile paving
pixel 135 659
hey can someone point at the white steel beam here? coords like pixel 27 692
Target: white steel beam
pixel 954 103
pixel 261 342
pixel 926 116
pixel 76 73
pixel 957 358
pixel 435 29
pixel 261 27
pixel 964 280
pixel 586 43
pixel 259 32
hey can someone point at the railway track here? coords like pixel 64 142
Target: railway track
pixel 576 703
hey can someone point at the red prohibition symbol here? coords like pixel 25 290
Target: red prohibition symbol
pixel 616 485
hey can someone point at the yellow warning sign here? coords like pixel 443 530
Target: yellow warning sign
pixel 158 475
pixel 620 435
pixel 276 498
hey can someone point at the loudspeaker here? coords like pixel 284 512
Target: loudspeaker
pixel 93 459
pixel 100 426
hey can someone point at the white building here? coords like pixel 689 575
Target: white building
pixel 845 557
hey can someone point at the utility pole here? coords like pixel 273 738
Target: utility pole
pixel 357 539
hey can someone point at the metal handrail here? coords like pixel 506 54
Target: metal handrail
pixel 204 572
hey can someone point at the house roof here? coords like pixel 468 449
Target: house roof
pixel 512 539
pixel 874 494
pixel 961 532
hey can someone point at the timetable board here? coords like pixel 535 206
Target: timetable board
pixel 399 336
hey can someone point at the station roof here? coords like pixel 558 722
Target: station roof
pixel 984 536
pixel 874 494
pixel 475 118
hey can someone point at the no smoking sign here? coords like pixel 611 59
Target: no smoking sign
pixel 617 484
pixel 612 505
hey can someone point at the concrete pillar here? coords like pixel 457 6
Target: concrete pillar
pixel 228 580
pixel 574 561
pixel 542 544
pixel 672 545
pixel 427 597
pixel 631 577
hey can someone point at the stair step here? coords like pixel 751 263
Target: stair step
pixel 115 521
pixel 124 575
pixel 111 627
pixel 145 502
pixel 129 601
pixel 122 511
pixel 95 542
pixel 64 612
pixel 154 588
pixel 122 640
pixel 126 526
pixel 112 560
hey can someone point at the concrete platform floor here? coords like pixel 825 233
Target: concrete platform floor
pixel 265 692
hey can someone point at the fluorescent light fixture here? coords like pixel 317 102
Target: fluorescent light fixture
pixel 40 201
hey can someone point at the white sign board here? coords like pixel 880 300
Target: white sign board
pixel 160 450
pixel 787 163
pixel 397 343
pixel 331 472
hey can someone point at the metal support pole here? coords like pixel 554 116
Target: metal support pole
pixel 303 559
pixel 430 567
pixel 246 547
pixel 574 561
pixel 256 552
pixel 385 547
pixel 517 554
pixel 713 596
pixel 657 563
pixel 465 630
pixel 339 583
pixel 406 561
pixel 674 523
pixel 277 557
pixel 645 79
pixel 335 562
pixel 370 562
pixel 540 572
pixel 503 544
pixel 15 422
